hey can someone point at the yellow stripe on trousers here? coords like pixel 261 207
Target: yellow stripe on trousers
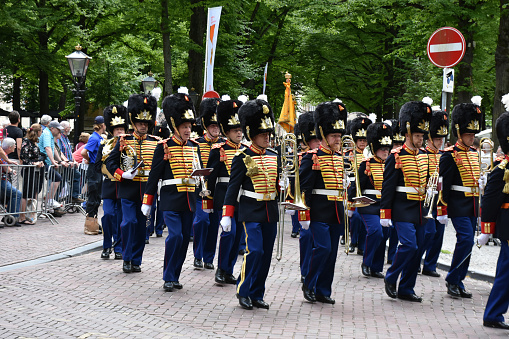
pixel 243 268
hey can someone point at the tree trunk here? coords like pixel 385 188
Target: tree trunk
pixel 195 62
pixel 165 29
pixel 463 81
pixel 43 93
pixel 16 91
pixel 501 65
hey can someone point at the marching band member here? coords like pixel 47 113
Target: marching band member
pixel 115 119
pixel 131 150
pixel 322 182
pixel 357 129
pixel 397 141
pixel 494 220
pixel 371 175
pixel 220 159
pixel 254 174
pixel 174 161
pixel 434 232
pixel 206 221
pixel 459 197
pixel 404 190
pixel 306 126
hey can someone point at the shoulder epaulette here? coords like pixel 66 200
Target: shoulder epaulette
pixel 449 149
pixel 194 141
pixel 155 137
pixel 313 151
pixel 500 158
pixel 503 163
pixel 397 150
pixel 218 145
pixel 244 144
pixel 163 141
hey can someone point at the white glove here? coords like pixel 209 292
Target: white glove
pixel 443 219
pixel 346 182
pixel 129 175
pixel 431 191
pixel 483 239
pixel 145 209
pixel 483 179
pixel 284 183
pixel 226 224
pixel 290 212
pixel 386 222
pixel 305 224
pixel 350 213
pixel 208 210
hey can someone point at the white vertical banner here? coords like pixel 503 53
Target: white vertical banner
pixel 265 77
pixel 214 14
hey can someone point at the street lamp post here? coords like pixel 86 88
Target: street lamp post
pixel 78 63
pixel 149 83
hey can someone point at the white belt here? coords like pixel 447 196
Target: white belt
pixel 260 196
pixel 181 181
pixel 326 192
pixel 413 190
pixel 223 179
pixel 370 191
pixel 466 189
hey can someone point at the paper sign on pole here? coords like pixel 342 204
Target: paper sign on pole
pixel 214 14
pixel 265 77
pixel 448 85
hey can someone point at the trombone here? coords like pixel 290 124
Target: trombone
pixel 197 166
pixel 290 168
pixel 486 147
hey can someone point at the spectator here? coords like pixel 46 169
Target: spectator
pixel 47 147
pixel 14 132
pixel 10 194
pixel 94 178
pixel 33 179
pixel 83 139
pixel 66 149
pixel 77 155
pixel 45 120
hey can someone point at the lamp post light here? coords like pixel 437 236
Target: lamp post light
pixel 78 63
pixel 149 83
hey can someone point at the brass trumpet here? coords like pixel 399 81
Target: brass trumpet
pixel 290 168
pixel 196 166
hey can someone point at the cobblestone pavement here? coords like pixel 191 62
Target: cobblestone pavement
pixel 86 297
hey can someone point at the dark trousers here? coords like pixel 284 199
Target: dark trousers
pixel 229 247
pixel 179 227
pixel 205 230
pixel 358 231
pixel 323 257
pixel 260 238
pixel 465 228
pixel 406 261
pixel 393 244
pixel 111 221
pixel 499 297
pixel 434 248
pixel 306 248
pixel 374 251
pixel 132 228
pixel 156 220
pixel 94 180
pixel 295 223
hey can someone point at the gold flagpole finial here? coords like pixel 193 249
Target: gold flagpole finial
pixel 78 47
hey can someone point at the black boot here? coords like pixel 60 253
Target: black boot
pixel 219 278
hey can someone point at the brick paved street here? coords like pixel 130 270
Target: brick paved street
pixel 86 297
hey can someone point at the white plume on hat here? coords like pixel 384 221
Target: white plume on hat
pixel 263 97
pixel 435 108
pixel 505 101
pixel 427 100
pixel 183 90
pixel 476 100
pixel 156 93
pixel 337 100
pixel 243 98
pixel 225 97
pixel 388 122
pixel 372 117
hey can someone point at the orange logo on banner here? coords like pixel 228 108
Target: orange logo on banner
pixel 211 55
pixel 212 29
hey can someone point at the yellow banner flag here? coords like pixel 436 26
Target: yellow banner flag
pixel 287 117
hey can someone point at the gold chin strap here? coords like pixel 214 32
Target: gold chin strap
pixel 458 133
pixel 175 130
pixel 248 137
pixel 323 137
pixel 409 132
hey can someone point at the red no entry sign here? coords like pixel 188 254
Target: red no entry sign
pixel 446 47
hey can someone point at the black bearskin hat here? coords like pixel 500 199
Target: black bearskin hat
pixel 379 134
pixel 357 127
pixel 396 136
pixel 502 128
pixel 415 115
pixel 306 126
pixel 227 115
pixel 297 133
pixel 162 131
pixel 466 118
pixel 142 108
pixel 208 109
pixel 330 117
pixel 115 116
pixel 178 108
pixel 256 117
pixel 439 125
